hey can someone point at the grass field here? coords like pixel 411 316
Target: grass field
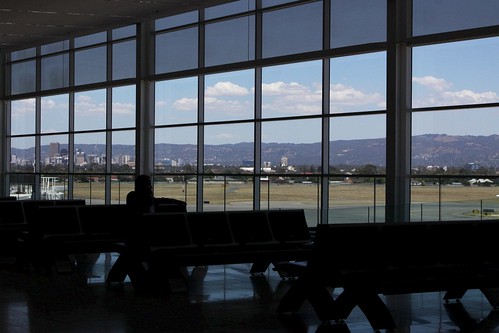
pixel 304 194
pixel 353 202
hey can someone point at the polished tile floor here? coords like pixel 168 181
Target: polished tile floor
pixel 221 299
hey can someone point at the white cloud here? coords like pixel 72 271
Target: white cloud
pixel 469 97
pixel 290 99
pixel 89 109
pixel 186 104
pixel 432 82
pixel 213 104
pixel 123 108
pixel 342 94
pixel 160 104
pixel 226 89
pixel 48 103
pixel 442 96
pixel 84 99
pixel 23 108
pixel 281 98
pixel 84 106
pixel 280 88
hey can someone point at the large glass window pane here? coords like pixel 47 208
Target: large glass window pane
pixel 90 110
pixel 357 156
pixel 176 20
pixel 22 54
pixel 123 152
pixel 90 152
pixel 55 71
pixel 99 37
pixel 90 65
pixel 54 47
pixel 453 140
pixel 356 199
pixel 431 17
pixel 124 60
pixel 121 185
pixel 456 73
pixel 452 143
pixel 53 187
pixel 177 50
pixel 292 146
pixel 233 7
pixel 21 186
pixel 270 3
pixel 229 96
pixel 292 90
pixel 124 32
pixel 292 30
pixel 54 153
pixel 176 101
pixel 23 77
pixel 55 113
pixel 22 154
pixel 226 193
pixel 228 148
pixel 124 107
pixel 292 191
pixel 230 41
pixel 175 150
pixel 355 22
pixel 469 198
pixel 453 198
pixel 22 116
pixel 358 142
pixel 358 83
pixel 425 194
pixel 90 187
pixel 178 187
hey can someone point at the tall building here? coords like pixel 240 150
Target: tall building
pixel 54 149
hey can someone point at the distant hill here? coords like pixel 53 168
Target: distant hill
pixel 457 151
pixel 428 149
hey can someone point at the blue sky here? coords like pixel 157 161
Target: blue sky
pixel 452 74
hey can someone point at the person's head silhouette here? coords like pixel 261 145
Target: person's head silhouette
pixel 141 199
pixel 143 184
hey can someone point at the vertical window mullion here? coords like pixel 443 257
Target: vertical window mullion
pixel 398 136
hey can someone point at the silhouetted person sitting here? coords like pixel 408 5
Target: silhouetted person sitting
pixel 141 200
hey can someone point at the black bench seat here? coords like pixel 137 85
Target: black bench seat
pixel 368 260
pixel 178 240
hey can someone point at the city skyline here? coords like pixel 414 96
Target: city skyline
pixel 457 151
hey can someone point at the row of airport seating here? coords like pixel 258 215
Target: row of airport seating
pixel 178 240
pixel 66 230
pixel 21 220
pixel 365 261
pixel 17 215
pixel 56 231
pixel 50 231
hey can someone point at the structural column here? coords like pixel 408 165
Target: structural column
pixel 398 123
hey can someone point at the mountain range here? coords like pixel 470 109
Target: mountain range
pixel 427 150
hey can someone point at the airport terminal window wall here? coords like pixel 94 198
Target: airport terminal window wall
pixel 68 118
pixel 269 104
pixel 455 97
